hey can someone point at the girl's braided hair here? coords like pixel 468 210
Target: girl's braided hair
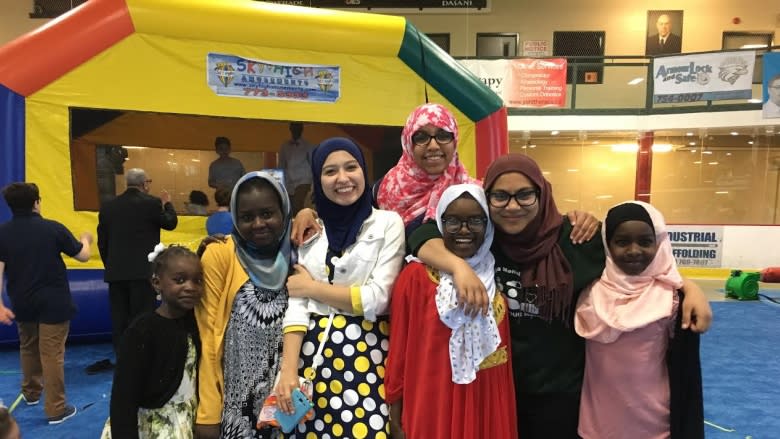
pixel 160 262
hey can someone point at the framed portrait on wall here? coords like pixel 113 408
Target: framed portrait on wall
pixel 664 32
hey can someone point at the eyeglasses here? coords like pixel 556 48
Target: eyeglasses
pixel 475 224
pixel 148 181
pixel 500 199
pixel 421 138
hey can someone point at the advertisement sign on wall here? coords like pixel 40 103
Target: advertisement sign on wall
pixel 536 48
pixel 703 77
pixel 536 83
pixel 524 82
pixel 697 246
pixel 491 72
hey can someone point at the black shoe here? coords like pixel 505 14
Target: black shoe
pixel 69 412
pixel 99 366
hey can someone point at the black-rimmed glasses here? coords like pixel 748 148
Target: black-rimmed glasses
pixel 421 138
pixel 523 198
pixel 475 224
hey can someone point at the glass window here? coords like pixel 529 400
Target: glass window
pixel 586 170
pixel 716 176
pixel 497 44
pixel 719 178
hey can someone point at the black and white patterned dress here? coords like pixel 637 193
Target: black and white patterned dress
pixel 253 348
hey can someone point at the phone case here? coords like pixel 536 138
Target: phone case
pixel 301 404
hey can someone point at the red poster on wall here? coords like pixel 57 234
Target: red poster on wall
pixel 536 83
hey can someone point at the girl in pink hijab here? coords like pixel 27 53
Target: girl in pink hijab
pixel 642 372
pixel 429 164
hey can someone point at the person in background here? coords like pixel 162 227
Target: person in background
pixel 541 273
pixel 220 221
pixel 198 203
pixel 436 349
pixel 154 392
pixel 240 315
pixel 346 272
pixel 41 302
pixel 225 170
pixel 295 159
pixel 642 370
pixel 128 229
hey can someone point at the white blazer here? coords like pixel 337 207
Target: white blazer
pixel 372 263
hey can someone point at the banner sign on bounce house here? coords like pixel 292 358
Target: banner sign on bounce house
pixel 697 246
pixel 703 77
pixel 230 75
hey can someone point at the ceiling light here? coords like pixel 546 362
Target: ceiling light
pixel 706 152
pixel 721 192
pixel 196 160
pixel 698 162
pixel 625 147
pixel 691 143
pixel 572 170
pixel 689 133
pixel 750 142
pixel 662 147
pixel 712 163
pixel 728 153
pixel 734 133
pixel 554 133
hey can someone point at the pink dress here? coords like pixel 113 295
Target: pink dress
pixel 625 392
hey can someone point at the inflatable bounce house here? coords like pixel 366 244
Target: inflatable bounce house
pixel 175 73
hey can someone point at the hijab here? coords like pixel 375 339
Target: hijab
pixel 535 249
pixel 342 223
pixel 472 339
pixel 407 189
pixel 267 266
pixel 618 302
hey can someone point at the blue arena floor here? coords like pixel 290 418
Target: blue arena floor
pixel 739 358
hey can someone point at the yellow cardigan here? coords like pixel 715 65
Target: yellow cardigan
pixel 223 275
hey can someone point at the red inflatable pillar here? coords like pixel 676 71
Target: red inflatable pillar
pixel 644 167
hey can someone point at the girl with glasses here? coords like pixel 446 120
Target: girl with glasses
pixel 429 164
pixel 448 375
pixel 541 273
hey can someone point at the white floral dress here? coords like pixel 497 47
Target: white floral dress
pixel 176 419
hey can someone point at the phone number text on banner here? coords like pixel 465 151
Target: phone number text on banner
pixel 230 75
pixel 703 77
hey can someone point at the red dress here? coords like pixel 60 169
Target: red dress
pixel 418 369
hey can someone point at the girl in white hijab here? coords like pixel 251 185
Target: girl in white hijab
pixel 450 375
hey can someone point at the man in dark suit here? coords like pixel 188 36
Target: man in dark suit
pixel 664 42
pixel 128 229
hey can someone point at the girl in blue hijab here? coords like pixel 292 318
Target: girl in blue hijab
pixel 339 298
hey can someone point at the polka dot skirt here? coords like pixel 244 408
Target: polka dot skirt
pixel 349 390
